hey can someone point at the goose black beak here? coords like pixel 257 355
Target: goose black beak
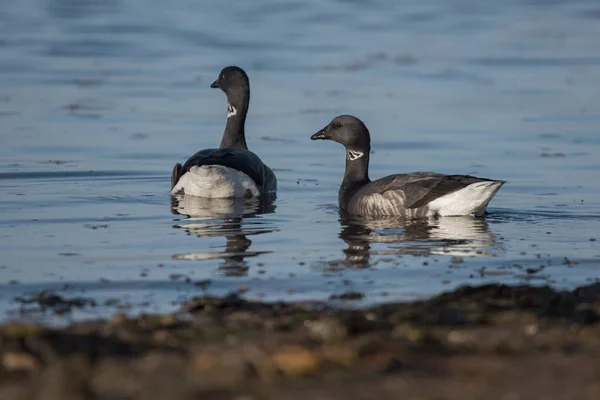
pixel 320 135
pixel 215 85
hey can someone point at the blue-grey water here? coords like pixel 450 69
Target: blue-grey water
pixel 99 98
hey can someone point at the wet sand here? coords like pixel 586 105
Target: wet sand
pixel 486 342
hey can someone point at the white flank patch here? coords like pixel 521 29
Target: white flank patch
pixel 354 155
pixel 472 200
pixel 215 181
pixel 231 110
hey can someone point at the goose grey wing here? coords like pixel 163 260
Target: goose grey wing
pixel 445 185
pixel 237 158
pixel 420 189
pixel 388 195
pixel 270 180
pixel 414 185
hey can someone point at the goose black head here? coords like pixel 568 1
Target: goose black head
pixel 347 130
pixel 231 79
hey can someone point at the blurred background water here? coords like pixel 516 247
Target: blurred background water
pixel 99 98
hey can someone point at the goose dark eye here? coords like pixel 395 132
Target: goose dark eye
pixel 338 125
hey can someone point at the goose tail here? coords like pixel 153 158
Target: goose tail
pixel 471 200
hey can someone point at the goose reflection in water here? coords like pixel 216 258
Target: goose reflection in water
pixel 450 236
pixel 234 219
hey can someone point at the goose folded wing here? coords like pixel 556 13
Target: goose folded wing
pixel 420 188
pixel 236 158
pixel 420 194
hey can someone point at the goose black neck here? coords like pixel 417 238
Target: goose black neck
pixel 355 176
pixel 237 108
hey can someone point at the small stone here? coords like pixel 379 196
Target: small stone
pixel 295 360
pixel 168 320
pixel 203 362
pixel 408 332
pixel 532 329
pixel 459 337
pixel 340 354
pixel 326 330
pixel 160 336
pixel 19 361
pixel 371 316
pixel 381 363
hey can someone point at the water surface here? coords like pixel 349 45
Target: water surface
pixel 99 99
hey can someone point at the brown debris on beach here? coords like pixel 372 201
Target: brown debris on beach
pixel 487 342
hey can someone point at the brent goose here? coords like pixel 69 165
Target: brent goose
pixel 415 194
pixel 231 171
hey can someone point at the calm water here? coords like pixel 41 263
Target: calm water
pixel 99 98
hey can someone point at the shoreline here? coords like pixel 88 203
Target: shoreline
pixel 492 341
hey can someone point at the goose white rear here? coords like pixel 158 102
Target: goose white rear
pixel 472 200
pixel 216 181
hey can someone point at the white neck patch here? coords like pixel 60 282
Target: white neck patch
pixel 231 110
pixel 352 155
